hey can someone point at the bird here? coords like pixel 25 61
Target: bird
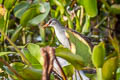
pixel 60 32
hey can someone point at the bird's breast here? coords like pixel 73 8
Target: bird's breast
pixel 62 38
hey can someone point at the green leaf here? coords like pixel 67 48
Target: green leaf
pixel 36 20
pixel 28 15
pixel 42 33
pixel 109 68
pixel 1 1
pixel 16 33
pixel 115 44
pixel 115 9
pixel 60 6
pixel 86 27
pixel 27 73
pixel 90 7
pixel 80 2
pixel 30 58
pixel 98 55
pixel 30 73
pixel 75 60
pixel 37 66
pixel 20 8
pixel 78 26
pixel 1 22
pixel 5 53
pixel 69 71
pixel 40 6
pixel 80 46
pixel 17 66
pixel 9 4
pixel 35 52
pixel 118 74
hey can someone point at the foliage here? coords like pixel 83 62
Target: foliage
pixel 95 46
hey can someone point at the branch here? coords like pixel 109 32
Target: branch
pixel 11 69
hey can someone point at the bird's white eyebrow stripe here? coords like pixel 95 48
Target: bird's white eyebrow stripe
pixel 52 20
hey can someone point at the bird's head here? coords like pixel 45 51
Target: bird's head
pixel 52 22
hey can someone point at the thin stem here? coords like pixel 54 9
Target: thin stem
pixel 7 21
pixel 23 37
pixel 61 70
pixel 75 75
pixel 42 32
pixel 101 22
pixel 86 27
pixel 20 53
pixel 81 15
pixel 5 28
pixel 70 24
pixel 80 75
pixel 11 69
pixel 106 4
pixel 78 27
pixel 56 74
pixel 99 74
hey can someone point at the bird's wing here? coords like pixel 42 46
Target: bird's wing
pixel 63 38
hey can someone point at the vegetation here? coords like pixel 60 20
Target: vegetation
pixel 27 50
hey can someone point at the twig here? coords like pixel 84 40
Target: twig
pixel 45 65
pixel 75 75
pixel 61 70
pixel 48 54
pixel 56 74
pixel 81 15
pixel 11 69
pixel 79 75
pixel 52 56
pixel 106 4
pixel 20 53
pixel 101 22
pixel 89 70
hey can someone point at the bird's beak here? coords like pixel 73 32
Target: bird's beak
pixel 46 25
